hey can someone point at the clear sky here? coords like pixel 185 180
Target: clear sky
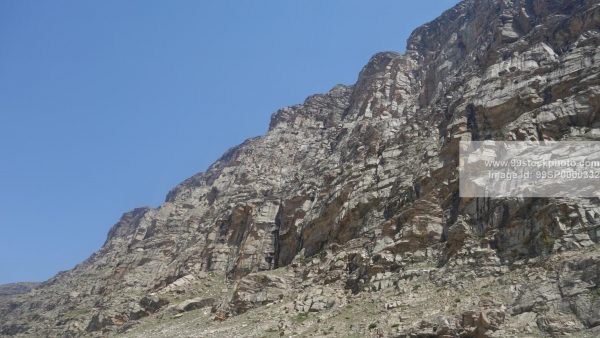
pixel 106 105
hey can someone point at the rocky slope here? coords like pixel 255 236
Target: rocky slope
pixel 344 219
pixel 8 290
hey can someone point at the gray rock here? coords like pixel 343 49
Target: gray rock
pixel 153 303
pixel 195 303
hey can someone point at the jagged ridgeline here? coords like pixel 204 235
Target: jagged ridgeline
pixel 345 219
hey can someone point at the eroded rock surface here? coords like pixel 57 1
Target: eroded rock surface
pixel 344 219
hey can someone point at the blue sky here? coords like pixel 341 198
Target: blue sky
pixel 106 105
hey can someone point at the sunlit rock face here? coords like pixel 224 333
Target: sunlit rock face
pixel 350 201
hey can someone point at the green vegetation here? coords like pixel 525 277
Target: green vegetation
pixel 300 318
pixel 547 240
pixel 74 313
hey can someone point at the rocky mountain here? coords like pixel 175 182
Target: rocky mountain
pixel 8 290
pixel 345 218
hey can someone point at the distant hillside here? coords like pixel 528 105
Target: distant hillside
pixel 16 288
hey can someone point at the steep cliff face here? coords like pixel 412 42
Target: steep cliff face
pixel 348 208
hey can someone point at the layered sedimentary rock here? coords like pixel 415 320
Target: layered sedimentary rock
pixel 345 217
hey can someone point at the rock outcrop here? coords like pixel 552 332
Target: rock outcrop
pixel 345 218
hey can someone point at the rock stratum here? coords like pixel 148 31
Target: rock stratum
pixel 345 219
